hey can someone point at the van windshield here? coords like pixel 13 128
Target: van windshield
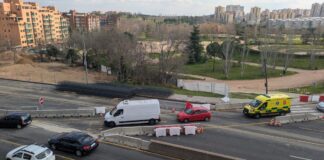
pixel 255 103
pixel 113 111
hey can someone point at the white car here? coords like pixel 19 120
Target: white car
pixel 31 152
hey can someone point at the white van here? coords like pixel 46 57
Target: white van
pixel 134 112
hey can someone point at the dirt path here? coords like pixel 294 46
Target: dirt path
pixel 302 78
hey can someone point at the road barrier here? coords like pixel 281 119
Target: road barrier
pixel 54 113
pixel 312 98
pixel 129 131
pixel 303 98
pixel 142 130
pixel 321 99
pixel 229 106
pixel 294 118
pixel 128 141
pixel 182 152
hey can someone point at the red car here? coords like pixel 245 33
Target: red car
pixel 194 114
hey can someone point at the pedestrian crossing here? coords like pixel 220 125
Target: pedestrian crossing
pixel 303 109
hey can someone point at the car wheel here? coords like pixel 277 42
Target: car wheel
pixel 257 116
pixel 186 120
pixel 53 146
pixel 281 114
pixel 152 122
pixel 8 159
pixel 206 119
pixel 78 153
pixel 19 126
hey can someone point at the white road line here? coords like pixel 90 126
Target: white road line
pixel 296 109
pixel 296 157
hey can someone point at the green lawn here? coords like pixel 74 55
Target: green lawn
pixel 313 89
pixel 299 61
pixel 251 72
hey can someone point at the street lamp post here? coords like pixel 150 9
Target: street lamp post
pixel 266 75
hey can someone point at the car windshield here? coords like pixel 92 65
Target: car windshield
pixel 86 139
pixel 44 154
pixel 255 103
pixel 113 111
pixel 188 111
pixel 321 104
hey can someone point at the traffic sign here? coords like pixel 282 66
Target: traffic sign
pixel 41 100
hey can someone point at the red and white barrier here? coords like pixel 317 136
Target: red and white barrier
pixel 303 98
pixel 321 99
pixel 312 98
pixel 176 130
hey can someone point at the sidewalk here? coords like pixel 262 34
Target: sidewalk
pixel 212 100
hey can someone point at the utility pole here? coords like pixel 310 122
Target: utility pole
pixel 266 75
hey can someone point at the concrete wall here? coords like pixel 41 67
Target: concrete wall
pixel 128 141
pixel 182 152
pixel 129 131
pixel 54 113
pixel 293 118
pixel 219 88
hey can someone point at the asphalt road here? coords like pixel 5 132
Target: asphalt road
pixel 12 138
pixel 23 95
pixel 228 133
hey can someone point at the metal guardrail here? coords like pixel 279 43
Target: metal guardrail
pixel 54 113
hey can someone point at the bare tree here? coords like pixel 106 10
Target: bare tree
pixel 289 56
pixel 228 48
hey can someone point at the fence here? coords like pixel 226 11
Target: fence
pixel 218 88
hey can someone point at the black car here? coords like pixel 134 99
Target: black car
pixel 74 142
pixel 15 120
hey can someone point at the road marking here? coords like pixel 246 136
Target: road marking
pixel 235 125
pixel 139 150
pixel 296 157
pixel 17 144
pixel 9 142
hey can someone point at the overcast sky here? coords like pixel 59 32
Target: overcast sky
pixel 171 7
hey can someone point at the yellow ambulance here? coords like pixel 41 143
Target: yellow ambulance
pixel 268 105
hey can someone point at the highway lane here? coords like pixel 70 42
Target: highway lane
pixel 11 138
pixel 29 94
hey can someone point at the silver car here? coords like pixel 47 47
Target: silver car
pixel 31 152
pixel 320 106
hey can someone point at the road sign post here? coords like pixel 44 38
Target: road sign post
pixel 41 102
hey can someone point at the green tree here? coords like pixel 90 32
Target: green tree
pixel 194 47
pixel 52 51
pixel 213 49
pixel 72 56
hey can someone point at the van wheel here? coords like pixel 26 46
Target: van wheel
pixel 282 114
pixel 257 116
pixel 19 126
pixel 78 153
pixel 110 124
pixel 186 120
pixel 152 122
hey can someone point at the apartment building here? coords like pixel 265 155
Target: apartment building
pixel 26 24
pixel 109 20
pixel 83 21
pixel 233 14
pixel 255 15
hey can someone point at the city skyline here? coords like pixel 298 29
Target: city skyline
pixel 171 7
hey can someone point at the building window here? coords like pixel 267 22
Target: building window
pixel 27 14
pixel 28 20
